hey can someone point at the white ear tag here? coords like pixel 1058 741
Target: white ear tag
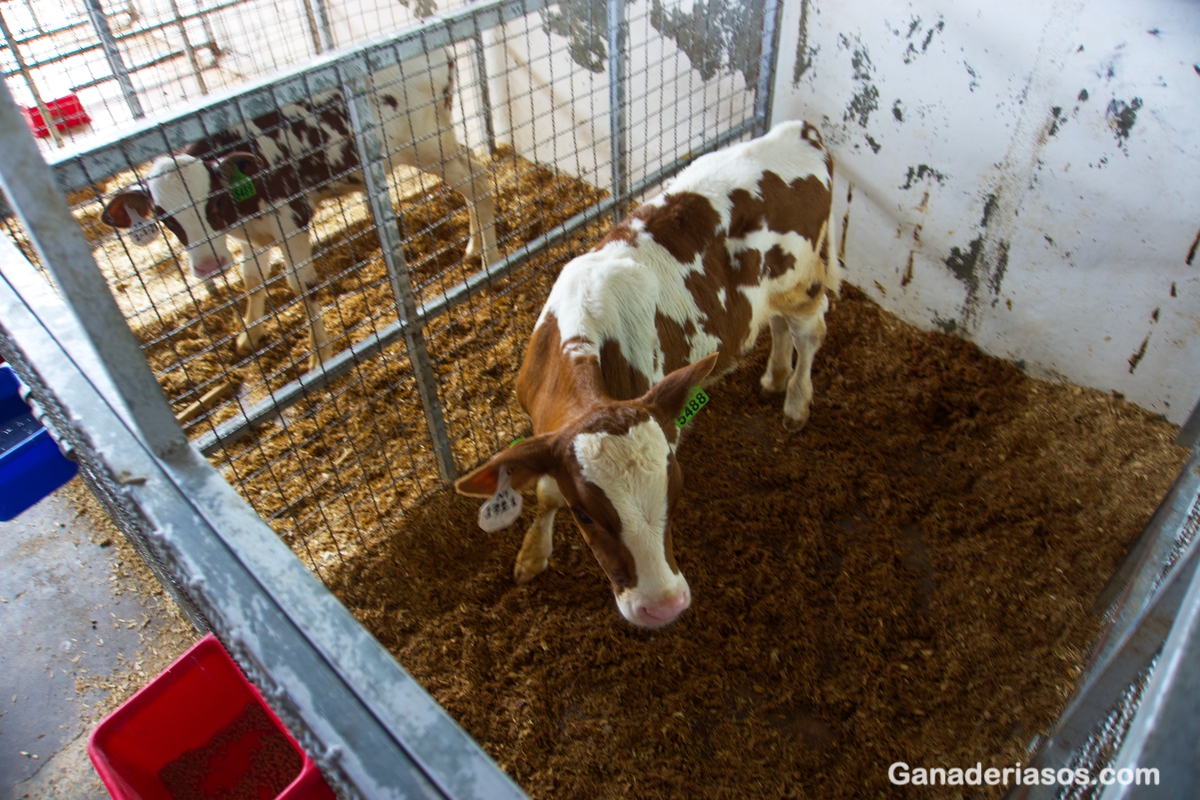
pixel 502 508
pixel 143 231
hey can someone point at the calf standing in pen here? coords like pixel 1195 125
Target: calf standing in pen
pixel 669 300
pixel 260 182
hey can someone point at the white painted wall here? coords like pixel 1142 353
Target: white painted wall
pixel 554 112
pixel 1073 127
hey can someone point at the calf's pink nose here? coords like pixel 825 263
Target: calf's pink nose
pixel 668 610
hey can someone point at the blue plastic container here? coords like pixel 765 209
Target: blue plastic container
pixel 31 465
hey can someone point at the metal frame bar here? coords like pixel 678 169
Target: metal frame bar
pixel 270 408
pixel 764 96
pixel 1144 613
pixel 187 47
pixel 618 36
pixel 60 243
pixel 28 76
pixel 118 38
pixel 372 155
pixel 372 728
pixel 485 94
pixel 113 54
pixel 326 29
pixel 1163 734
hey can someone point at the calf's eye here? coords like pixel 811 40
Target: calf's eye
pixel 583 518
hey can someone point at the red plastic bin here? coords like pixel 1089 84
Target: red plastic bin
pixel 185 708
pixel 65 112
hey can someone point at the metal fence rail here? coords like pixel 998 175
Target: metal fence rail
pixel 425 343
pixel 368 724
pixel 1134 704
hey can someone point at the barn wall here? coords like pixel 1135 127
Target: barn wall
pixel 1023 175
pixel 551 92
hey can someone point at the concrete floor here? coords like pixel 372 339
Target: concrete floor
pixel 68 614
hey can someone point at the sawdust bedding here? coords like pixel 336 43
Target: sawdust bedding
pixel 907 579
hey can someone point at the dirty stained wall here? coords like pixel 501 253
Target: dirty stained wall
pixel 1021 174
pixel 687 72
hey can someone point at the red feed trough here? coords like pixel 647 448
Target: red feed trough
pixel 201 730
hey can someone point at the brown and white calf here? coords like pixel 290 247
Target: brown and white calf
pixel 295 158
pixel 670 299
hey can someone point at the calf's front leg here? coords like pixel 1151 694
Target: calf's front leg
pixel 252 320
pixel 535 550
pixel 302 277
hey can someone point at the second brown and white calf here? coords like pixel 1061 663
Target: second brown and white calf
pixel 294 158
pixel 670 299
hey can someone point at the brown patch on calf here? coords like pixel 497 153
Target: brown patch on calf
pixel 811 135
pixel 802 206
pixel 778 261
pixel 603 535
pixel 622 233
pixel 799 207
pixel 684 225
pixel 799 301
pixel 729 322
pixel 116 213
pixel 621 380
pixel 172 225
pixel 334 117
pixel 554 387
pixel 675 341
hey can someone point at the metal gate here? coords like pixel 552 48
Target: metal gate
pixel 565 113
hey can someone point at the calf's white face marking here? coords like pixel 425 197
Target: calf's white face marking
pixel 631 470
pixel 181 187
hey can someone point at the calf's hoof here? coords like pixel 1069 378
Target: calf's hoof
pixel 243 346
pixel 770 385
pixel 526 570
pixel 792 424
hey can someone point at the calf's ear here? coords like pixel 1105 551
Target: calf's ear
pixel 116 213
pixel 246 163
pixel 526 462
pixel 669 394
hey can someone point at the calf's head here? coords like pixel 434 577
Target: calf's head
pixel 191 198
pixel 615 467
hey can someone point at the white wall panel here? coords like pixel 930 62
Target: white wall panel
pixel 1024 174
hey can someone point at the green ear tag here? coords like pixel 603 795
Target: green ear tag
pixel 516 441
pixel 241 186
pixel 696 400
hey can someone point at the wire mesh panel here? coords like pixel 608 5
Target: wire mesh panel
pixel 333 274
pixel 121 60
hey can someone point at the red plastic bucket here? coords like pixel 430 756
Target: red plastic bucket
pixel 65 112
pixel 200 722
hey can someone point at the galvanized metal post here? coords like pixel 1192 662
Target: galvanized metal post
pixel 485 96
pixel 765 91
pixel 311 18
pixel 28 76
pixel 323 25
pixel 373 158
pixel 115 63
pixel 187 47
pixel 59 242
pixel 618 33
